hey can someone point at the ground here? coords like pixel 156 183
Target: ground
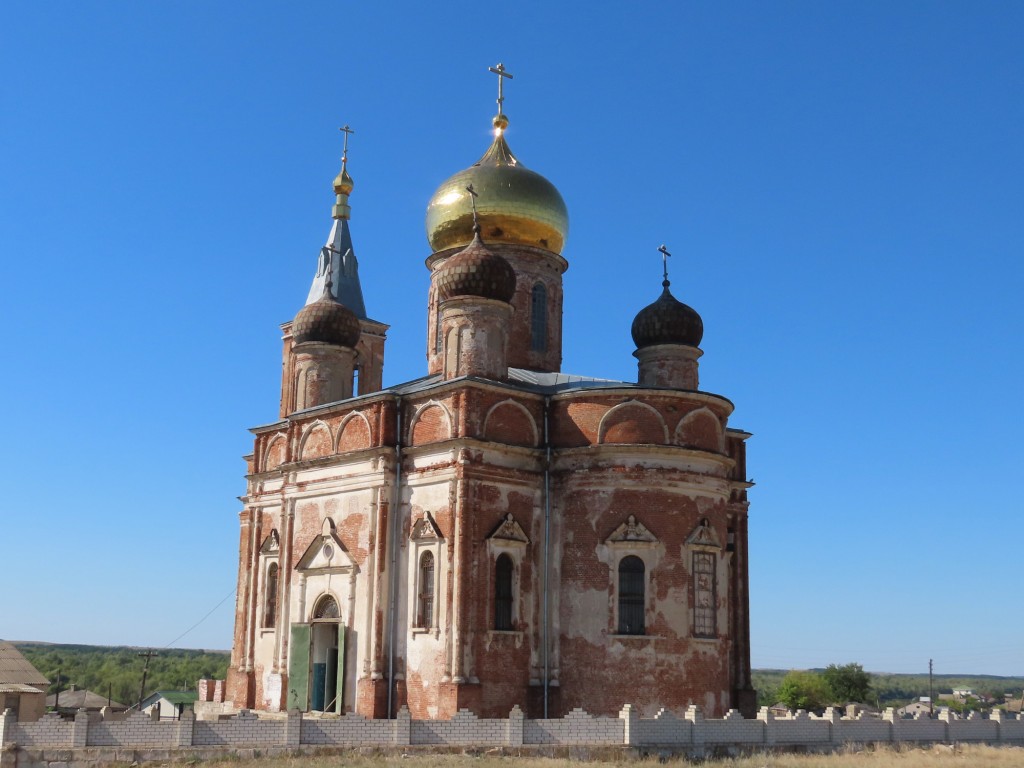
pixel 975 756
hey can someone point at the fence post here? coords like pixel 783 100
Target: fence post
pixel 629 717
pixel 80 729
pixel 996 716
pixel 696 717
pixel 184 728
pixel 7 726
pixel 835 728
pixel 293 728
pixel 514 732
pixel 403 727
pixel 764 714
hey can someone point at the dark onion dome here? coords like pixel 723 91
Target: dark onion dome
pixel 667 321
pixel 476 271
pixel 516 205
pixel 326 321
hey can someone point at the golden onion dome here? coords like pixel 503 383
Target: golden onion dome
pixel 514 204
pixel 343 184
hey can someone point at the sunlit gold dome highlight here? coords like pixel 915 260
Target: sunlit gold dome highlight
pixel 514 204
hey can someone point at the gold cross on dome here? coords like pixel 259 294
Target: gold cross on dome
pixel 344 153
pixel 473 195
pixel 502 74
pixel 664 261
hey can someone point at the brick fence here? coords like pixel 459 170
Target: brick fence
pixel 692 734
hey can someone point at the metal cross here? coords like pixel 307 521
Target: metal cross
pixel 473 195
pixel 347 131
pixel 502 74
pixel 329 268
pixel 664 261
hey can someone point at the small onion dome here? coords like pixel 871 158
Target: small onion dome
pixel 667 321
pixel 516 205
pixel 326 321
pixel 343 183
pixel 476 271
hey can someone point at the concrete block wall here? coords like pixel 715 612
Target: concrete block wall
pixel 691 733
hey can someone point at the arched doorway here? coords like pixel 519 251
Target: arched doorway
pixel 327 655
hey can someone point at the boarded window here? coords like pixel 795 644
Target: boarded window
pixel 631 596
pixel 425 601
pixel 704 624
pixel 539 318
pixel 270 597
pixel 503 571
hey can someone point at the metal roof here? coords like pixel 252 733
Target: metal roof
pixel 80 698
pixel 15 668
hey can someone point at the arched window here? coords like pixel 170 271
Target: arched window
pixel 704 595
pixel 270 597
pixel 503 570
pixel 326 608
pixel 631 596
pixel 539 318
pixel 425 601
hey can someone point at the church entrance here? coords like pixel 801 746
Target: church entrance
pixel 316 669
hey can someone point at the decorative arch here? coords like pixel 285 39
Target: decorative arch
pixel 326 608
pixel 632 422
pixel 701 429
pixel 353 433
pixel 431 423
pixel 505 422
pixel 275 451
pixel 316 441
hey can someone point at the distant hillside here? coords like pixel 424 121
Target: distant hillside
pixel 891 689
pixel 118 670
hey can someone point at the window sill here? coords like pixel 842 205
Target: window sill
pixel 634 637
pixel 505 633
pixel 425 631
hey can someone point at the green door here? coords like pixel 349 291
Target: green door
pixel 298 667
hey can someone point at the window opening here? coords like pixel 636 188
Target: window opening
pixel 425 606
pixel 326 608
pixel 704 624
pixel 631 596
pixel 438 342
pixel 503 571
pixel 539 318
pixel 270 609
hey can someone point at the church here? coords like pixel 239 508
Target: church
pixel 497 532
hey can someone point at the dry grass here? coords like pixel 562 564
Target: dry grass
pixel 939 756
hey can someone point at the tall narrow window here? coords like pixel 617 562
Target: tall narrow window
pixel 631 596
pixel 503 593
pixel 270 597
pixel 438 342
pixel 704 624
pixel 539 318
pixel 425 600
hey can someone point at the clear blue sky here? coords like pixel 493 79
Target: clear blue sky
pixel 840 183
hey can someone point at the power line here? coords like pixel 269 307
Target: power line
pixel 208 613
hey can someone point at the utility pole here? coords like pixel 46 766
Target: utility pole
pixel 931 690
pixel 56 698
pixel 145 670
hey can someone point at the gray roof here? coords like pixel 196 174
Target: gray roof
pixel 14 668
pixel 80 699
pixel 345 285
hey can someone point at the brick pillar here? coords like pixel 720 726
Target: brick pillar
pixel 184 728
pixel 80 730
pixel 293 728
pixel 695 716
pixel 514 734
pixel 996 716
pixel 7 723
pixel 629 717
pixel 835 729
pixel 765 716
pixel 403 727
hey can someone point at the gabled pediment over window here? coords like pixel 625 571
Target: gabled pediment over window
pixel 271 545
pixel 632 532
pixel 425 529
pixel 703 536
pixel 509 532
pixel 325 552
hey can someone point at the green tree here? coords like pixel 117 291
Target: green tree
pixel 848 682
pixel 804 690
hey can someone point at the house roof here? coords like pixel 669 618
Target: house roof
pixel 15 668
pixel 174 697
pixel 80 699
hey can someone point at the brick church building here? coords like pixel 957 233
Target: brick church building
pixel 496 532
